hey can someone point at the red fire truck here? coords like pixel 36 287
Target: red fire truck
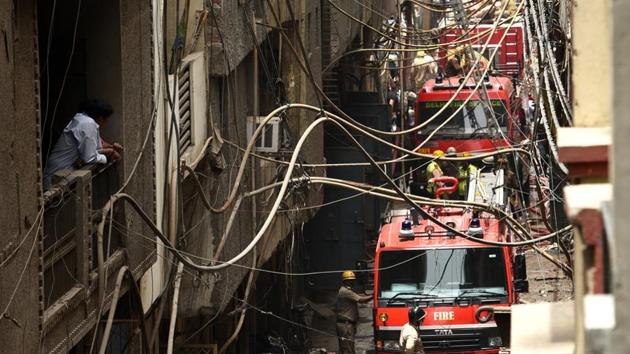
pixel 418 263
pixel 510 59
pixel 472 129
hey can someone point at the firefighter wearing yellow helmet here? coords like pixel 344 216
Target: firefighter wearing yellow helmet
pixel 348 275
pixel 348 312
pixel 482 63
pixel 458 62
pixel 454 58
pixel 434 170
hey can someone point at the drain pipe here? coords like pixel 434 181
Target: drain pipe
pixel 171 328
pixel 241 320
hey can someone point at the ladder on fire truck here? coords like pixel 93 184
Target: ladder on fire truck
pixel 487 187
pixel 462 21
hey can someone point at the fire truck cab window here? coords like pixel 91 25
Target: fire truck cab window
pixel 461 272
pixel 469 121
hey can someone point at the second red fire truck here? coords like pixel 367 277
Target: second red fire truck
pixel 418 263
pixel 472 128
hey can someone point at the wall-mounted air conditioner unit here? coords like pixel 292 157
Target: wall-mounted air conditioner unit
pixel 190 100
pixel 269 138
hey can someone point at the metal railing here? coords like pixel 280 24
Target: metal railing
pixel 70 216
pixel 67 208
pixel 106 182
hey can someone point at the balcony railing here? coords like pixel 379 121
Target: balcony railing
pixel 70 218
pixel 105 182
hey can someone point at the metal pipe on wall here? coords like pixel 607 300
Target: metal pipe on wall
pixel 171 328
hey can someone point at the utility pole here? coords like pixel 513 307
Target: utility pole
pixel 426 19
pixel 402 99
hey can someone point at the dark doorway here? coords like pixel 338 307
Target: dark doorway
pixel 79 57
pixel 346 228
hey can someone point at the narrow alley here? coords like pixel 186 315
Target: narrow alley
pixel 314 176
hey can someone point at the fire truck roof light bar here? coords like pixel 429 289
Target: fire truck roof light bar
pixel 430 234
pixel 446 85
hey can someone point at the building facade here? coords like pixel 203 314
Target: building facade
pixel 184 83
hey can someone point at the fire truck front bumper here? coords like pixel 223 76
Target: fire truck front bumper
pixel 472 340
pixel 485 351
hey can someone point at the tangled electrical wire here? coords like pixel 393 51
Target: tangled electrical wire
pixel 347 126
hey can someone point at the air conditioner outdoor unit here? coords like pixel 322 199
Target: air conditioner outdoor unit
pixel 190 99
pixel 269 138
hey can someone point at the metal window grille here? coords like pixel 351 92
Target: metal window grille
pixel 184 108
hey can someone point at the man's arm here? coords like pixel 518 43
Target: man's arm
pixel 87 135
pixel 366 298
pixel 115 146
pixel 356 297
pixel 111 153
pixel 361 298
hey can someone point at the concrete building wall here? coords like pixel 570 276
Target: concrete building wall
pixel 26 328
pixel 137 114
pixel 591 57
pixel 129 82
pixel 20 187
pixel 343 28
pixel 125 74
pixel 231 101
pixel 620 169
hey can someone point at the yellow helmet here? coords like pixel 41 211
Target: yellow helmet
pixel 438 153
pixel 453 52
pixel 348 275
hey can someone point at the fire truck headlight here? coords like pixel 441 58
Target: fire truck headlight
pixel 383 317
pixel 391 345
pixel 495 342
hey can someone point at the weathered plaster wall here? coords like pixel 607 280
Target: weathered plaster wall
pixel 19 178
pixel 619 48
pixel 591 79
pixel 219 289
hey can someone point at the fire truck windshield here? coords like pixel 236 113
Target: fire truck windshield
pixel 441 273
pixel 471 121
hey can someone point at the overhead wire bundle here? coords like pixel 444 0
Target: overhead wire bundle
pixel 343 124
pixel 346 124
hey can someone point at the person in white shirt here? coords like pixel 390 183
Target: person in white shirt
pixel 409 341
pixel 81 143
pixel 425 68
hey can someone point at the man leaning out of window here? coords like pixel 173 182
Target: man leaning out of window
pixel 81 143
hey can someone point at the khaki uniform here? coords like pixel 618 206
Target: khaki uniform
pixel 424 68
pixel 347 317
pixel 346 332
pixel 409 341
pixel 482 65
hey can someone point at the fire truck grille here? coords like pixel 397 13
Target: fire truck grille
pixel 452 342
